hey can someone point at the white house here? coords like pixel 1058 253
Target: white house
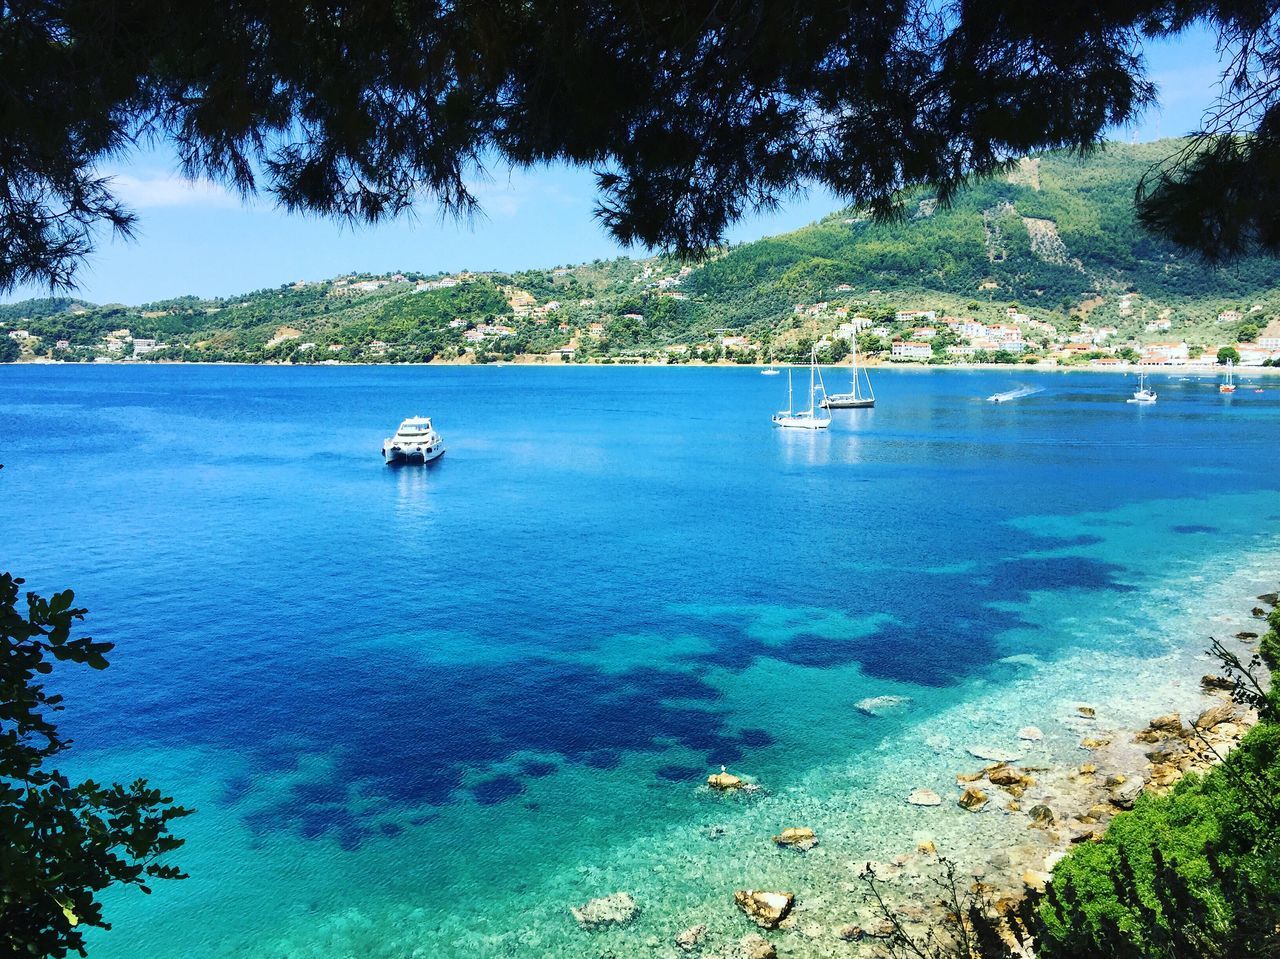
pixel 1165 354
pixel 910 350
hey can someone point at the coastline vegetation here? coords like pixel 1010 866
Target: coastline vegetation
pixel 1054 246
pixel 1191 874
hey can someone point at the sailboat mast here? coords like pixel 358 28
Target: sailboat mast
pixel 813 365
pixel 791 406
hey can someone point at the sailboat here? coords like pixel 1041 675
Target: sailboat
pixel 1143 394
pixel 809 419
pixel 1230 385
pixel 855 400
pixel 771 369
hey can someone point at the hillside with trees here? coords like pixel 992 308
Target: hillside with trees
pixel 1053 241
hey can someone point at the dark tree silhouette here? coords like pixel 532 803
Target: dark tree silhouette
pixel 691 113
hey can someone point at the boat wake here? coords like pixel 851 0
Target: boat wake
pixel 1014 394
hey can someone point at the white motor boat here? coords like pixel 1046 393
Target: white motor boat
pixel 810 419
pixel 416 441
pixel 1143 394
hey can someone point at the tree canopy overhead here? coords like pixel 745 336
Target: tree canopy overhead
pixel 691 113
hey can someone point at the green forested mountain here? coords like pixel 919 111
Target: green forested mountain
pixel 1056 238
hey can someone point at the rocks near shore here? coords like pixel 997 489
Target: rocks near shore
pixel 616 910
pixel 1215 716
pixel 724 781
pixel 765 909
pixel 801 838
pixel 973 799
pixel 1031 734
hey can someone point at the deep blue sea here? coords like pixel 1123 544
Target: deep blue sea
pixel 421 711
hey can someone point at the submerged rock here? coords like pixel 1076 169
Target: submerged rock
pixel 1245 637
pixel 994 755
pixel 1217 683
pixel 765 909
pixel 756 947
pixel 882 705
pixel 1088 712
pixel 1269 598
pixel 1031 734
pixel 973 799
pixel 1092 743
pixel 850 933
pixel 797 837
pixel 924 797
pixel 692 938
pixel 616 910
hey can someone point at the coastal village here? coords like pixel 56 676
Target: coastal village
pixel 615 326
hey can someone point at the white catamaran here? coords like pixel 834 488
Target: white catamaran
pixel 1143 394
pixel 811 418
pixel 855 400
pixel 416 441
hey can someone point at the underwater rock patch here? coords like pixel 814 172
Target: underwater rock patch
pixel 924 797
pixel 882 705
pixel 615 910
pixel 993 755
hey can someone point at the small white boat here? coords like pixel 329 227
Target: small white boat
pixel 1017 394
pixel 809 419
pixel 1143 394
pixel 416 441
pixel 770 370
pixel 855 399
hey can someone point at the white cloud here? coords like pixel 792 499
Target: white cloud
pixel 168 190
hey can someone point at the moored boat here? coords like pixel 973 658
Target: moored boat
pixel 807 419
pixel 1143 394
pixel 855 399
pixel 1230 385
pixel 415 441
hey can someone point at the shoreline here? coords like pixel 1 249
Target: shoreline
pixel 1062 806
pixel 538 361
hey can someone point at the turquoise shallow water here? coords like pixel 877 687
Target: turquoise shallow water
pixel 423 711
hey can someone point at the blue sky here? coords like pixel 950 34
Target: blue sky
pixel 206 241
